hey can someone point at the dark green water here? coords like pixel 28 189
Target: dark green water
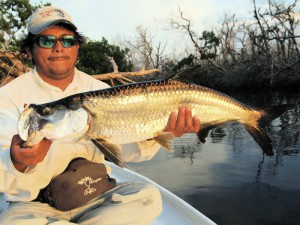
pixel 228 178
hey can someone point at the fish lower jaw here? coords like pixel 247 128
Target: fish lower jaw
pixel 34 138
pixel 74 136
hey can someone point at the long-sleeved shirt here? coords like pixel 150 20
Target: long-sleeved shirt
pixel 30 88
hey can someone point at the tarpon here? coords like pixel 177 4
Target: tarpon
pixel 135 112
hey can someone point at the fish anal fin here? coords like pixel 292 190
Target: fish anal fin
pixel 110 151
pixel 164 139
pixel 261 138
pixel 203 132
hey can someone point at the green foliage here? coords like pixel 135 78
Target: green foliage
pixel 168 66
pixel 92 56
pixel 185 62
pixel 211 42
pixel 13 16
pixel 93 59
pixel 210 39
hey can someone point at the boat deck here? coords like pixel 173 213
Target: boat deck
pixel 175 210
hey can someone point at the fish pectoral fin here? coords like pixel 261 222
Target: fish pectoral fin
pixel 110 151
pixel 90 111
pixel 165 140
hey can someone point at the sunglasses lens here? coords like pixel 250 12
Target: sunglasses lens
pixel 68 41
pixel 46 41
pixel 49 41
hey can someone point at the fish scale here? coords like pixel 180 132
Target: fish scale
pixel 135 114
pixel 138 112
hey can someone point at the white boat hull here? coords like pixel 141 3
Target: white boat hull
pixel 175 210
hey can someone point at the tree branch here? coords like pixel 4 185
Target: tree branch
pixel 119 75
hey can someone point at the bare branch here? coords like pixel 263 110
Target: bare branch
pixel 120 75
pixel 114 64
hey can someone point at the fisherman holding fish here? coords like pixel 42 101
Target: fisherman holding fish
pixel 53 43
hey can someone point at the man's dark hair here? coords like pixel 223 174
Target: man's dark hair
pixel 28 42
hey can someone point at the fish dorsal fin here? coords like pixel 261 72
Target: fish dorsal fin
pixel 110 151
pixel 180 76
pixel 165 140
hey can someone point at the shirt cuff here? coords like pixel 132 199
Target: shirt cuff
pixel 10 166
pixel 140 151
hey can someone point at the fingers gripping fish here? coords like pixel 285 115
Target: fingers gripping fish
pixel 135 112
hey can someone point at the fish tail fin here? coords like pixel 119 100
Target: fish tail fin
pixel 261 138
pixel 266 116
pixel 273 112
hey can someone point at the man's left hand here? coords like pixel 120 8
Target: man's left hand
pixel 182 122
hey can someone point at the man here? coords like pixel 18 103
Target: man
pixel 53 43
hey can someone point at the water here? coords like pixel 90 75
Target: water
pixel 228 178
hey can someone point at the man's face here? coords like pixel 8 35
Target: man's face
pixel 57 62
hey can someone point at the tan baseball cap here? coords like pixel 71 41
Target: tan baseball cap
pixel 46 17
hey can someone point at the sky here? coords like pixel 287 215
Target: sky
pixel 118 19
pixel 109 18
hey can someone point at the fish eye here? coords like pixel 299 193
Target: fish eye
pixel 75 99
pixel 46 111
pixel 75 103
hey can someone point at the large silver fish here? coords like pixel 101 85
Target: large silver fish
pixel 135 112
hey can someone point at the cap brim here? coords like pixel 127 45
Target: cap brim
pixel 44 26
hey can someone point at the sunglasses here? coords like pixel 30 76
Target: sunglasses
pixel 48 41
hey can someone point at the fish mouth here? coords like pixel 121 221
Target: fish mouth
pixel 29 128
pixel 61 124
pixel 24 123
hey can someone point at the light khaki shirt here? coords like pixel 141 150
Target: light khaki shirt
pixel 30 88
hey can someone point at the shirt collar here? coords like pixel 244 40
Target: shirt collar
pixel 41 82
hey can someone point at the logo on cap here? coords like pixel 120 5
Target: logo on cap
pixel 49 13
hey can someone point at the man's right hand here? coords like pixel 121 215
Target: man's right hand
pixel 30 156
